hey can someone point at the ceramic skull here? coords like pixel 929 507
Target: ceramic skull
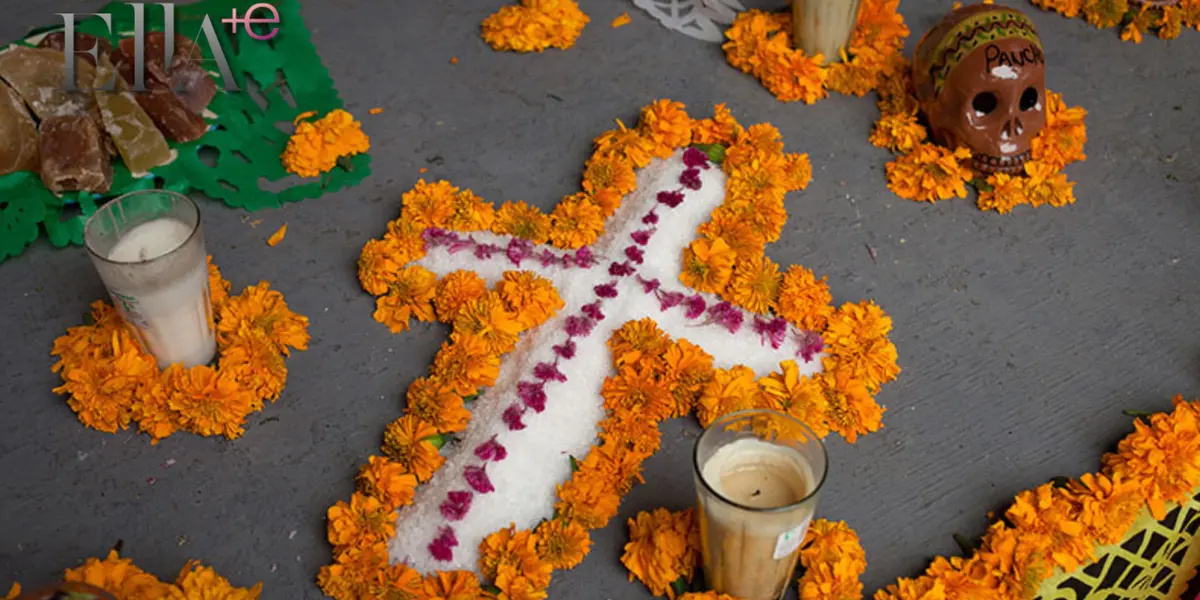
pixel 980 78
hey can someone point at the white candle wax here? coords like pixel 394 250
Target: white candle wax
pixel 172 316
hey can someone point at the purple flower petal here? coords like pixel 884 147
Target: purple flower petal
pixel 548 371
pixel 695 306
pixel 566 350
pixel 491 450
pixel 578 326
pixel 635 254
pixel 593 311
pixel 583 257
pixel 648 285
pixel 547 258
pixel 460 245
pixel 669 299
pixel 810 344
pixel 532 394
pixel 650 218
pixel 485 251
pixel 671 198
pixel 606 290
pixel 512 417
pixel 690 179
pixel 435 236
pixel 478 479
pixel 694 157
pixel 621 269
pixel 518 250
pixel 456 506
pixel 732 320
pixel 442 548
pixel 771 331
pixel 641 236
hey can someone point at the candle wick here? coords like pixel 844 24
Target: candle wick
pixel 756 493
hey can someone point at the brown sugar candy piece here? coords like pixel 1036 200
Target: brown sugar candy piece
pixel 167 110
pixel 73 158
pixel 83 43
pixel 38 74
pixel 184 75
pixel 141 145
pixel 18 134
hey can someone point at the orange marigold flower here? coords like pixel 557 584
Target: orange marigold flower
pixel 1044 185
pixel 198 582
pixel 218 286
pixel 689 369
pixel 850 410
pixel 608 179
pixel 13 592
pixel 898 132
pixel 722 128
pixel 387 482
pixel 921 588
pixel 797 171
pixel 454 291
pixel 755 284
pixel 1067 8
pixel 562 544
pixel 800 396
pixel 930 173
pixel 1061 140
pixel 465 364
pixel 396 581
pixel 591 503
pixel 254 361
pixel 429 204
pixel 1046 512
pixel 523 221
pixel 534 25
pixel 635 435
pixel 208 402
pixel 489 320
pixel 735 230
pixel 667 124
pixel 856 341
pixel 471 213
pixel 509 555
pixel 730 390
pixel 1006 193
pixel 433 402
pixel 617 463
pixel 804 300
pixel 378 265
pixel 1107 505
pixel 1170 24
pixel 706 596
pixel 707 265
pixel 266 309
pixel 531 297
pixel 576 222
pixel 637 341
pixel 355 569
pixel 624 144
pixel 153 414
pixel 1162 457
pixel 103 388
pixel 662 548
pixel 315 147
pixel 637 392
pixel 406 442
pixel 119 576
pixel 452 585
pixel 411 295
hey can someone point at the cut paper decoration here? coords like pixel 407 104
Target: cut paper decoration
pixel 533 297
pixel 236 161
pixel 704 20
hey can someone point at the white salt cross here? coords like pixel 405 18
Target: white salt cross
pixel 538 455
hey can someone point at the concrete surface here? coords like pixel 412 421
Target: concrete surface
pixel 1021 337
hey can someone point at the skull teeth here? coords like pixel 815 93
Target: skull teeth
pixel 987 163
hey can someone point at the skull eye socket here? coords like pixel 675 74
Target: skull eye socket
pixel 984 103
pixel 1029 99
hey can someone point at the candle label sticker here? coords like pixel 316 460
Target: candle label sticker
pixel 129 308
pixel 788 541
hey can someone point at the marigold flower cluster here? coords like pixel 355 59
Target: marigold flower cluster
pixel 123 579
pixel 1134 18
pixel 1062 525
pixel 534 25
pixel 486 324
pixel 926 172
pixel 728 259
pixel 316 146
pixel 760 43
pixel 111 382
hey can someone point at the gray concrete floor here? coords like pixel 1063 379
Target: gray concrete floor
pixel 1022 337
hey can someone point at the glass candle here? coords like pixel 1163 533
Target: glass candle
pixel 148 247
pixel 823 26
pixel 757 475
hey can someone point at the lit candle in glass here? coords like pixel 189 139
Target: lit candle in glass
pixel 757 475
pixel 148 247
